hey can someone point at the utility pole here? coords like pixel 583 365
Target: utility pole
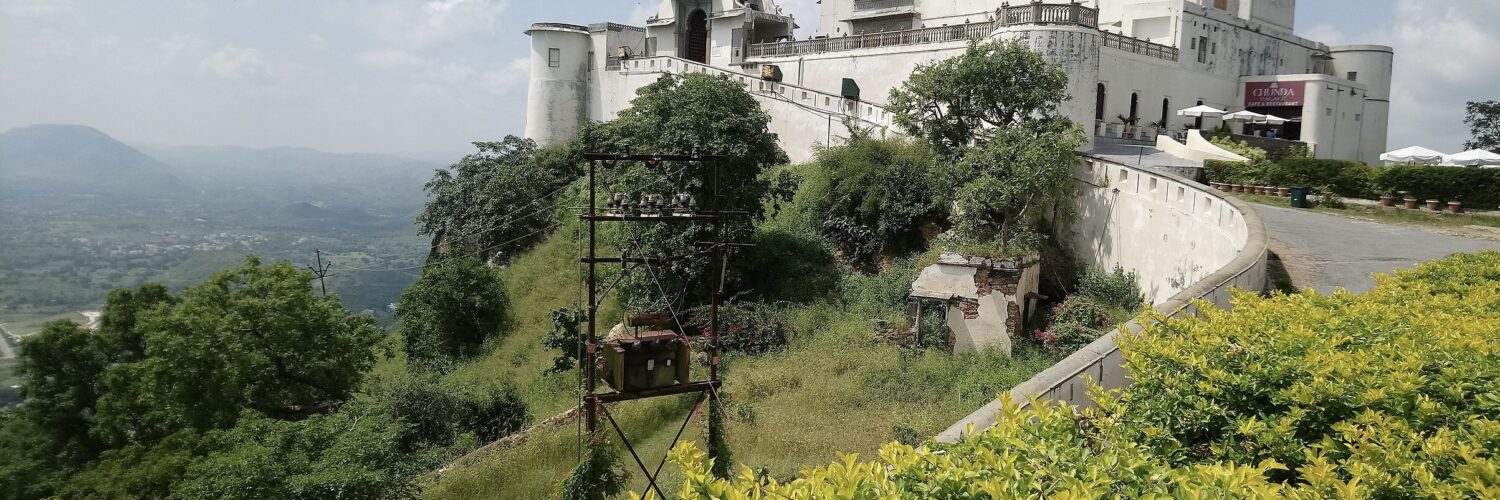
pixel 321 272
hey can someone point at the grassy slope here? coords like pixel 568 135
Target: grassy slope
pixel 835 390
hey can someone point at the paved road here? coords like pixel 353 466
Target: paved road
pixel 1326 252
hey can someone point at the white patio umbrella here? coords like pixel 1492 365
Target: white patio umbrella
pixel 1414 154
pixel 1245 116
pixel 1201 111
pixel 1474 158
pixel 1273 120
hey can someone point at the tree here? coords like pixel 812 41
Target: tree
pixel 1484 125
pixel 256 338
pixel 873 196
pixel 60 369
pixel 498 201
pixel 1014 181
pixel 117 323
pixel 447 314
pixel 354 454
pixel 685 114
pixel 960 101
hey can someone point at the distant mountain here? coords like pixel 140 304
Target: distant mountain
pixel 290 175
pixel 76 159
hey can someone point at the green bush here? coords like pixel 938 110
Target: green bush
pixel 446 316
pixel 871 196
pixel 1079 310
pixel 1236 172
pixel 1475 187
pixel 1390 394
pixel 1117 288
pixel 438 416
pixel 1345 178
pixel 745 328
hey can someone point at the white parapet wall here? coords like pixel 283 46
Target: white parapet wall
pixel 1184 240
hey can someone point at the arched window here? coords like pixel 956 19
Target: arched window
pixel 1135 106
pixel 1099 102
pixel 696 48
pixel 1198 122
pixel 1166 111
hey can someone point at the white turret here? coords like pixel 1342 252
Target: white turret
pixel 557 103
pixel 1371 66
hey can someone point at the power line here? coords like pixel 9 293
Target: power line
pixel 508 219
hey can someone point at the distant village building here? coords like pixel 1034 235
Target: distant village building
pixel 1131 64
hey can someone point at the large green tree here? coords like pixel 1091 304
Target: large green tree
pixel 448 314
pixel 256 337
pixel 499 200
pixel 1012 182
pixel 117 322
pixel 1484 125
pixel 685 114
pixel 993 113
pixel 962 100
pixel 60 369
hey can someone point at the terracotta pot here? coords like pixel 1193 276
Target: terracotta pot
pixel 1409 202
pixel 1260 190
pixel 1270 190
pixel 1456 207
pixel 1236 188
pixel 1433 205
pixel 1387 201
pixel 1218 186
pixel 1284 192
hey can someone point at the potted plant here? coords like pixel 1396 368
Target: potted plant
pixel 1456 206
pixel 1284 192
pixel 1386 200
pixel 1409 202
pixel 1129 122
pixel 1237 188
pixel 1433 205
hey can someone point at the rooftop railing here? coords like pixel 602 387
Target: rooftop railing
pixel 1138 46
pixel 1049 13
pixel 923 36
pixel 1035 13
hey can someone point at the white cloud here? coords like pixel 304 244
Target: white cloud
pixel 1445 56
pixel 641 12
pixel 513 74
pixel 436 21
pixel 1325 33
pixel 235 63
pixel 388 58
pixel 35 8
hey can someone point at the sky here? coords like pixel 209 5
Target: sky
pixel 429 76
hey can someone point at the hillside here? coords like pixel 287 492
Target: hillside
pixel 77 159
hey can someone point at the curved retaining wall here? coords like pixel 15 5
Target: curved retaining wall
pixel 1184 240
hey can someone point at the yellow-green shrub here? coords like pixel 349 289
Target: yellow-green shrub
pixel 1390 394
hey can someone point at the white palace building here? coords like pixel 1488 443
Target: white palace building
pixel 1131 65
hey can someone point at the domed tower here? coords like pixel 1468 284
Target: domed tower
pixel 557 100
pixel 1371 66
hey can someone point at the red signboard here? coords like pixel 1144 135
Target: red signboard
pixel 1274 94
